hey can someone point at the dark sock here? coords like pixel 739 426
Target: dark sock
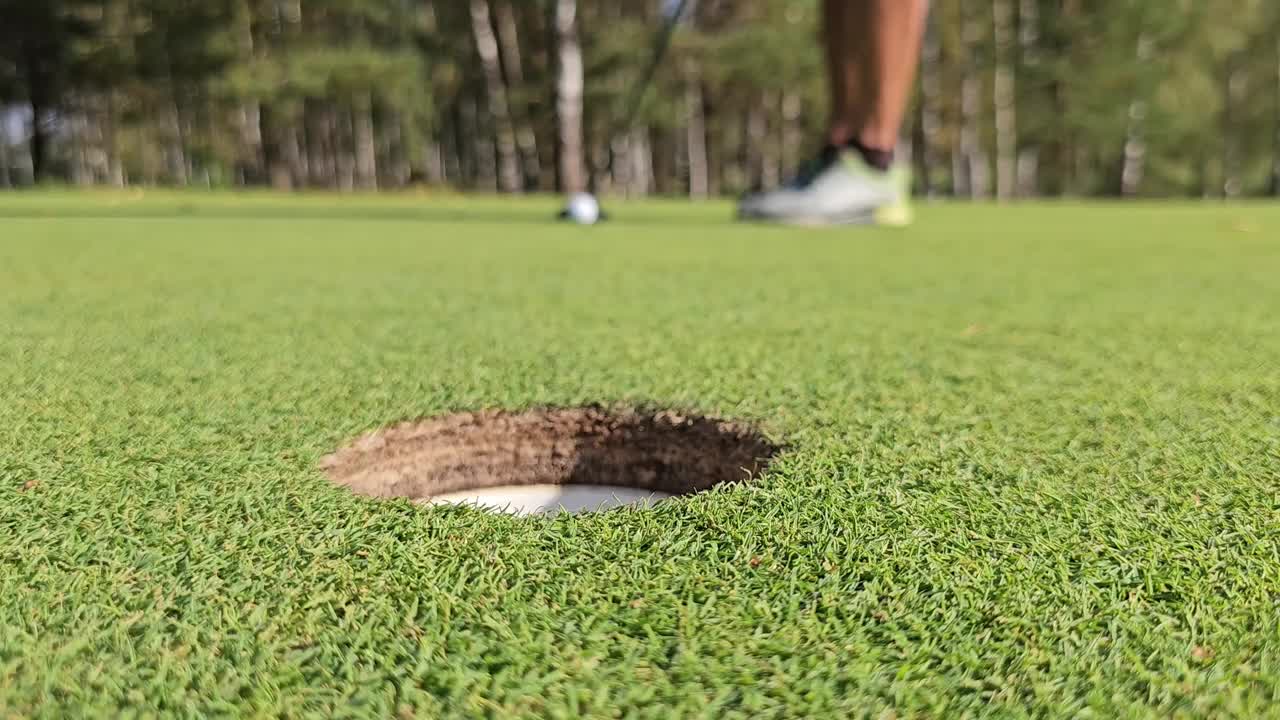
pixel 881 160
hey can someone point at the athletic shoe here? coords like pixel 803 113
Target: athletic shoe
pixel 839 189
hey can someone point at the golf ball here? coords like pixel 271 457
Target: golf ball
pixel 583 209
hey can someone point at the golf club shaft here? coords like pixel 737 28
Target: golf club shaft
pixel 661 45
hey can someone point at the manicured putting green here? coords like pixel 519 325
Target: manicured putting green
pixel 1030 467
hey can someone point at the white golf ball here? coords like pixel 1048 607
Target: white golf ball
pixel 583 209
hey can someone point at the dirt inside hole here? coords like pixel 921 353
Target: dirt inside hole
pixel 664 453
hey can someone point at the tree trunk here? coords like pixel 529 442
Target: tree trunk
pixel 477 146
pixel 460 156
pixel 1275 146
pixel 771 151
pixel 1083 170
pixel 319 159
pixel 542 61
pixel 509 176
pixel 719 168
pixel 569 89
pixel 6 179
pixel 1029 43
pixel 619 163
pixel 717 164
pixel 792 133
pixel 664 162
pixel 1029 172
pixel 1235 89
pixel 1057 150
pixel 930 107
pixel 1135 143
pixel 344 159
pixel 433 165
pixel 322 135
pixel 1135 150
pixel 526 138
pixel 450 155
pixel 601 174
pixel 641 162
pixel 630 163
pixel 973 157
pixel 295 159
pixel 757 141
pixel 251 140
pixel 696 131
pixel 149 154
pixel 1205 174
pixel 398 158
pixel 365 144
pixel 77 119
pixel 1029 31
pixel 37 91
pixel 111 141
pixel 959 173
pixel 179 166
pixel 250 111
pixel 1004 92
pixel 278 167
pixel 1063 146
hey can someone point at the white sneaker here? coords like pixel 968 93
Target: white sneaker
pixel 841 189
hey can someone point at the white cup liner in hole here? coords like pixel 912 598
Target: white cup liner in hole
pixel 552 499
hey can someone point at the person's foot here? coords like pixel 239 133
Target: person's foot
pixel 840 189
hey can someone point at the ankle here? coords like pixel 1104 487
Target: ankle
pixel 840 135
pixel 878 158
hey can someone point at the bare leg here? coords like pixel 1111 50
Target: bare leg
pixel 844 71
pixel 873 50
pixel 896 30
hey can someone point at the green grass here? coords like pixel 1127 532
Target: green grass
pixel 1034 464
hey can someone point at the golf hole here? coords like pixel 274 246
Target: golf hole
pixel 550 461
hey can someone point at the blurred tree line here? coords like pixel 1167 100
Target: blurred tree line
pixel 1017 98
